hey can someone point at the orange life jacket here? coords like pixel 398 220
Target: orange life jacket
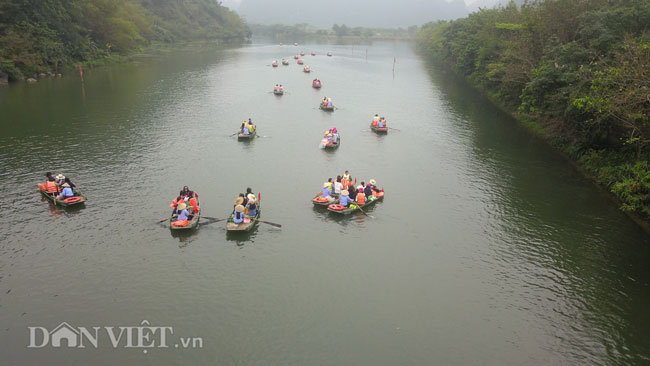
pixel 195 206
pixel 361 198
pixel 175 202
pixel 374 123
pixel 50 187
pixel 344 183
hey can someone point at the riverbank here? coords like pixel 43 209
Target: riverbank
pixel 544 65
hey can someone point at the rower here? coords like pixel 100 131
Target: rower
pixel 251 206
pixel 381 123
pixel 182 213
pixel 50 184
pixel 245 129
pixel 66 192
pixel 187 193
pixel 345 198
pixel 238 215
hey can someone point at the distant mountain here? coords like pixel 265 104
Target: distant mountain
pixel 367 13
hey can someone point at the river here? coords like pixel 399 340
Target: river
pixel 489 248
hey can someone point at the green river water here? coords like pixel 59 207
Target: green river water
pixel 488 249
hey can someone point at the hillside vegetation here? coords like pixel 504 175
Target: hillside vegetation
pixel 45 35
pixel 576 71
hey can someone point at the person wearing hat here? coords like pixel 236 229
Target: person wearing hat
pixel 60 179
pixel 240 200
pixel 66 192
pixel 181 211
pixel 367 189
pixel 251 206
pixel 238 215
pixel 326 192
pixel 345 198
pixel 373 186
pixel 361 197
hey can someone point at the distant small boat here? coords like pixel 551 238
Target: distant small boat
pixel 278 92
pixel 295 57
pixel 174 224
pixel 295 44
pixel 313 53
pixel 77 199
pixel 329 54
pixel 299 62
pixel 281 43
pixel 306 69
pixel 316 85
pixel 285 62
pixel 334 145
pixel 378 129
pixel 274 64
pixel 250 136
pixel 247 225
pixel 326 108
pixel 302 53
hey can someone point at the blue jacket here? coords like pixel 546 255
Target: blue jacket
pixel 345 201
pixel 183 215
pixel 67 192
pixel 238 220
pixel 326 192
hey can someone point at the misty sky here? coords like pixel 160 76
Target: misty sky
pixel 368 13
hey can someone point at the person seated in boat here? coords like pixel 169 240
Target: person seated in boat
pixel 367 190
pixel 241 200
pixel 361 197
pixel 241 129
pixel 238 215
pixel 352 192
pixel 375 120
pixel 60 179
pixel 251 127
pixel 249 192
pixel 187 193
pixel 66 192
pixel 324 102
pixel 50 184
pixel 69 182
pixel 346 175
pixel 326 192
pixel 182 212
pixel 335 135
pixel 345 198
pixel 329 103
pixel 281 88
pixel 373 186
pixel 381 123
pixel 345 182
pixel 276 88
pixel 251 206
pixel 338 186
pixel 245 129
pixel 330 138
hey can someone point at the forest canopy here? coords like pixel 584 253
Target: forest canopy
pixel 44 35
pixel 579 71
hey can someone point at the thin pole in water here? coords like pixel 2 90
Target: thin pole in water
pixel 394 60
pixel 366 55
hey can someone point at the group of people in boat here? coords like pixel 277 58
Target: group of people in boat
pixel 326 102
pixel 278 88
pixel 245 207
pixel 60 186
pixel 317 83
pixel 331 137
pixel 348 194
pixel 180 209
pixel 247 127
pixel 379 121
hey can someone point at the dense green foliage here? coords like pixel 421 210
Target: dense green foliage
pixel 579 69
pixel 43 35
pixel 302 32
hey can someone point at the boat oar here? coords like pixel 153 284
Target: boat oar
pixel 234 134
pixel 163 220
pixel 364 212
pixel 394 129
pixel 214 219
pixel 270 223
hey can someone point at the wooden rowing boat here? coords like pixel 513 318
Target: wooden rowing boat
pixel 333 145
pixel 281 92
pixel 244 226
pixel 250 136
pixel 316 86
pixel 285 62
pixel 326 108
pixel 377 197
pixel 77 200
pixel 379 129
pixel 193 222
